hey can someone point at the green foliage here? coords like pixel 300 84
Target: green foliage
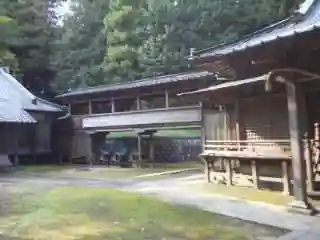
pixel 29 28
pixel 80 47
pixel 122 28
pixel 122 40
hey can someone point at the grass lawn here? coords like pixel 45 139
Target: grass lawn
pixel 97 172
pixel 83 213
pixel 246 193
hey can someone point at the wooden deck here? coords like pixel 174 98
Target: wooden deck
pixel 231 153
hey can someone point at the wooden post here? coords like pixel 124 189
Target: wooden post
pixel 203 128
pixel 139 151
pixel 207 168
pixel 90 107
pixel 151 149
pixel 255 176
pixel 138 103
pixel 285 177
pixel 308 158
pixel 16 145
pixel 113 106
pixel 228 171
pixel 237 120
pixel 166 98
pixel 297 115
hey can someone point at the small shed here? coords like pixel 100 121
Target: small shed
pixel 25 120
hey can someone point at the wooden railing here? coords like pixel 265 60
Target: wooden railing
pixel 249 148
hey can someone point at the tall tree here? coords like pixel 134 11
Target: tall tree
pixel 124 36
pixel 8 31
pixel 177 26
pixel 80 48
pixel 35 24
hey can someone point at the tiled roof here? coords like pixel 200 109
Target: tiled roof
pixel 16 100
pixel 305 19
pixel 11 113
pixel 139 83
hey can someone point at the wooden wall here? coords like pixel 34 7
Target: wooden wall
pixel 263 118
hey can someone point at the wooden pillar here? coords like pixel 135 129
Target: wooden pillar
pixel 228 171
pixel 285 177
pixel 16 145
pixel 90 107
pixel 113 106
pixel 97 140
pixel 207 168
pixel 138 103
pixel 255 176
pixel 297 120
pixel 308 156
pixel 237 122
pixel 139 151
pixel 166 98
pixel 203 128
pixel 151 149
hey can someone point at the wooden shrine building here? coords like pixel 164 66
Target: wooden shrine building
pixel 143 106
pixel 26 122
pixel 262 124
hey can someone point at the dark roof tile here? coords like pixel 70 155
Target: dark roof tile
pixel 139 83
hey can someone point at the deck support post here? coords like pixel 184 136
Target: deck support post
pixel 254 171
pixel 285 178
pixel 203 128
pixel 166 95
pixel 308 156
pixel 113 106
pixel 297 115
pixel 208 169
pixel 228 171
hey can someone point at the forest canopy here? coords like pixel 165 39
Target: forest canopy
pixel 106 41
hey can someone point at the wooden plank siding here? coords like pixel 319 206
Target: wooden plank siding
pixel 144 118
pixel 256 143
pixel 264 118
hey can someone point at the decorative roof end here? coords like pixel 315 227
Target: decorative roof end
pixel 305 7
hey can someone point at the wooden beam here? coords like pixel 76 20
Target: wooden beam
pixel 296 108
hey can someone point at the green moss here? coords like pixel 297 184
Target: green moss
pixel 100 214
